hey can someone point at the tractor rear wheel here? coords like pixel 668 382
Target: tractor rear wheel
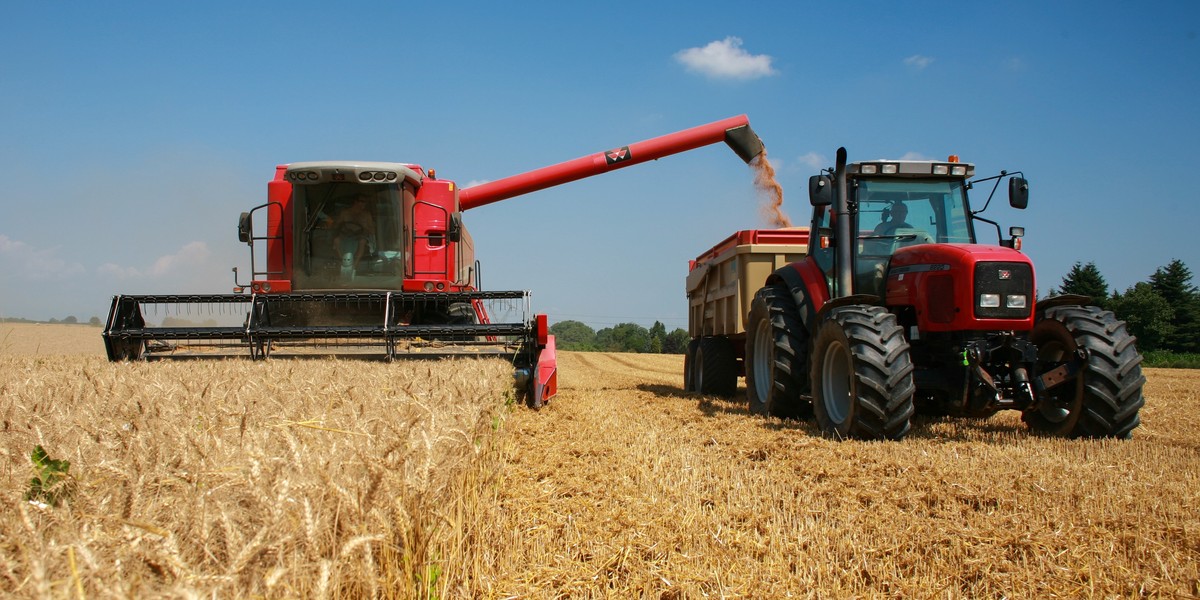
pixel 1106 394
pixel 777 356
pixel 714 367
pixel 861 375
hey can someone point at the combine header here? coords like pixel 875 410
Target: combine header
pixel 373 259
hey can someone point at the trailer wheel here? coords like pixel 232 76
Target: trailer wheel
pixel 862 380
pixel 777 356
pixel 689 366
pixel 1106 394
pixel 715 367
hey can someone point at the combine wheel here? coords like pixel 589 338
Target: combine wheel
pixel 862 375
pixel 1106 394
pixel 777 356
pixel 689 366
pixel 715 367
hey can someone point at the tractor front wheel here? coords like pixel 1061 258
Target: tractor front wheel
pixel 862 384
pixel 777 356
pixel 1105 396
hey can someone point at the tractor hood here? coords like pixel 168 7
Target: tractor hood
pixel 958 287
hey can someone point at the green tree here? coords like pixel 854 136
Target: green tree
pixel 676 342
pixel 658 337
pixel 573 335
pixel 624 337
pixel 1147 314
pixel 1174 283
pixel 1086 280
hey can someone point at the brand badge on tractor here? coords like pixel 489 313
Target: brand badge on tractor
pixel 1005 274
pixel 621 154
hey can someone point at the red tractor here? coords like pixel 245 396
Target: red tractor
pixel 373 258
pixel 897 308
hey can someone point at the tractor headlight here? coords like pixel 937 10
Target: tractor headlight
pixel 1014 301
pixel 989 300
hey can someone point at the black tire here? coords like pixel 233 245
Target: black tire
pixel 777 356
pixel 715 367
pixel 1106 395
pixel 533 392
pixel 862 383
pixel 689 366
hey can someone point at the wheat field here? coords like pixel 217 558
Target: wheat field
pixel 339 479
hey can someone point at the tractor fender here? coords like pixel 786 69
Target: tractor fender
pixel 864 299
pixel 1039 309
pixel 806 283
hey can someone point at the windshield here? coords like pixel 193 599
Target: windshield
pixel 348 235
pixel 933 211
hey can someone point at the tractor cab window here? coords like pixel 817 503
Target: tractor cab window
pixel 348 235
pixel 894 213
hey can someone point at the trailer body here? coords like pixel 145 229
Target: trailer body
pixel 720 284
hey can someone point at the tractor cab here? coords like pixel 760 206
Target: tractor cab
pixel 892 205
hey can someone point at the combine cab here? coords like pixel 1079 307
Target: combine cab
pixel 373 259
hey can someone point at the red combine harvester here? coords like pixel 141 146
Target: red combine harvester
pixel 372 258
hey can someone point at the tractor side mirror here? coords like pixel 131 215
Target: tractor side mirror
pixel 245 228
pixel 1018 192
pixel 454 233
pixel 820 190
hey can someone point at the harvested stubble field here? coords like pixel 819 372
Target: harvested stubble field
pixel 329 478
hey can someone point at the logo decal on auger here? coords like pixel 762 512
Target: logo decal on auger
pixel 621 154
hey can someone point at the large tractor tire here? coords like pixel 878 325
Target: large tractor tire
pixel 714 368
pixel 862 375
pixel 777 356
pixel 1106 395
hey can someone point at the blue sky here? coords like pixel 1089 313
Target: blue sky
pixel 134 134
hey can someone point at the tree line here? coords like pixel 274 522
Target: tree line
pixel 623 337
pixel 68 320
pixel 1163 311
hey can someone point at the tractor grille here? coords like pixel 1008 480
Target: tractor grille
pixel 1005 279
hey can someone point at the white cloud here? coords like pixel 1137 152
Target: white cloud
pixel 918 62
pixel 31 263
pixel 725 59
pixel 814 161
pixel 191 255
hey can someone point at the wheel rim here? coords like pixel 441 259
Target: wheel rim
pixel 835 383
pixel 1056 411
pixel 763 345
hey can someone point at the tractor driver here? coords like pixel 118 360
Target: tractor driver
pixel 354 233
pixel 893 219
